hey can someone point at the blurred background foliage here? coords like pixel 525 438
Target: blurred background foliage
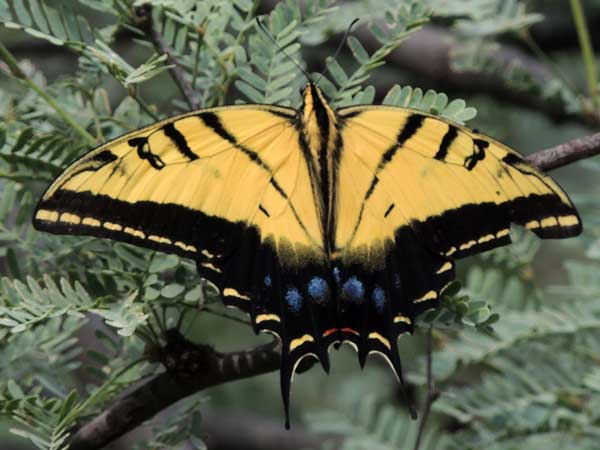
pixel 516 345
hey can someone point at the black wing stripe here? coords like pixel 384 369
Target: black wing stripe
pixel 389 210
pixel 447 140
pixel 212 121
pixel 408 130
pixel 179 140
pixel 105 156
pixel 290 115
pixel 479 146
pixel 125 221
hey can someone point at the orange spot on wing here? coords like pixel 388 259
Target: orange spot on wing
pixel 351 331
pixel 329 332
pixel 343 330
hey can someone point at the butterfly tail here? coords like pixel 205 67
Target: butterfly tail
pixel 295 307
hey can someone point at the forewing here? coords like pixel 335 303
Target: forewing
pixel 153 187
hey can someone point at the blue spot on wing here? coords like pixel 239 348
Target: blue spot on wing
pixel 294 299
pixel 318 289
pixel 379 298
pixel 353 289
pixel 268 281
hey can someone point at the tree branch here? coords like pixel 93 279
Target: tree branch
pixel 143 19
pixel 192 368
pixel 567 153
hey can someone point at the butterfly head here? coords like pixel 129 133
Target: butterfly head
pixel 318 119
pixel 316 111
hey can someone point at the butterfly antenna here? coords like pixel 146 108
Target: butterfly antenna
pixel 270 36
pixel 342 42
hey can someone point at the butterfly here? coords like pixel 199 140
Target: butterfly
pixel 325 226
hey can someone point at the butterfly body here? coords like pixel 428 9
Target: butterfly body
pixel 325 226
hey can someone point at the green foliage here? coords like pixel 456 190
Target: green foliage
pixel 432 102
pixel 272 75
pixel 46 421
pixel 182 431
pixel 33 157
pixel 478 23
pixel 55 22
pixel 28 304
pixel 490 17
pixel 368 423
pixel 346 89
pixel 46 352
pixel 42 419
pixel 517 364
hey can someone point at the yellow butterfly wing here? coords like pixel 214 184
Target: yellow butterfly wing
pixel 225 186
pixel 424 191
